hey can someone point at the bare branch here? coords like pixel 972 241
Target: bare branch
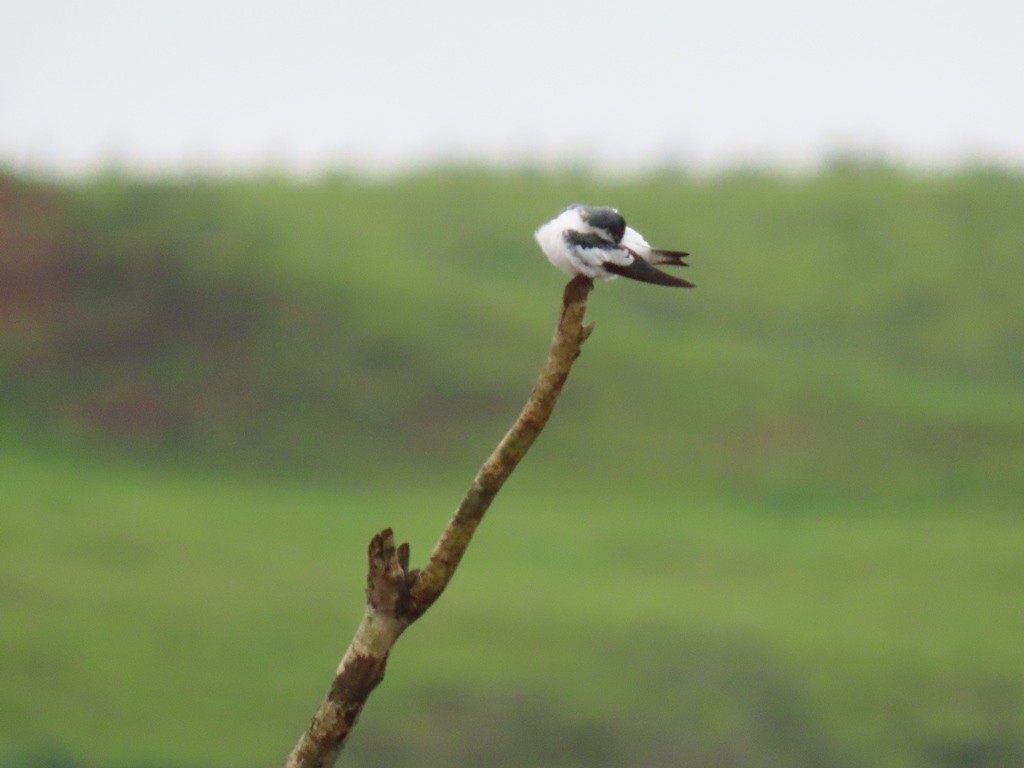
pixel 565 348
pixel 397 596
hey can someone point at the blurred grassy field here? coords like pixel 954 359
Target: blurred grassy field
pixel 775 520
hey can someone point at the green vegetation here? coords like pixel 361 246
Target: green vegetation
pixel 776 521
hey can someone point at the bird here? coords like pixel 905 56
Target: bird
pixel 595 242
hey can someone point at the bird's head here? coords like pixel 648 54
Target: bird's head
pixel 606 222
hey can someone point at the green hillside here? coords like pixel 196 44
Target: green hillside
pixel 775 520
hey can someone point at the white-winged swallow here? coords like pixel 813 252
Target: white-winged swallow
pixel 595 242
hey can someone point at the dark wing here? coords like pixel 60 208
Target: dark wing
pixel 592 248
pixel 645 273
pixel 637 270
pixel 589 240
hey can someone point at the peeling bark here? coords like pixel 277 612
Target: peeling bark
pixel 395 595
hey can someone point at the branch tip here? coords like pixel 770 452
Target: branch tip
pixel 576 290
pixel 382 542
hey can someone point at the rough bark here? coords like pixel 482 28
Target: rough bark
pixel 395 595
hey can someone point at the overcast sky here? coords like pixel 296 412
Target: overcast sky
pixel 167 84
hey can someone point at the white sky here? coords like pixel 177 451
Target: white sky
pixel 171 84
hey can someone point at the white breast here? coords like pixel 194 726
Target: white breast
pixel 551 238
